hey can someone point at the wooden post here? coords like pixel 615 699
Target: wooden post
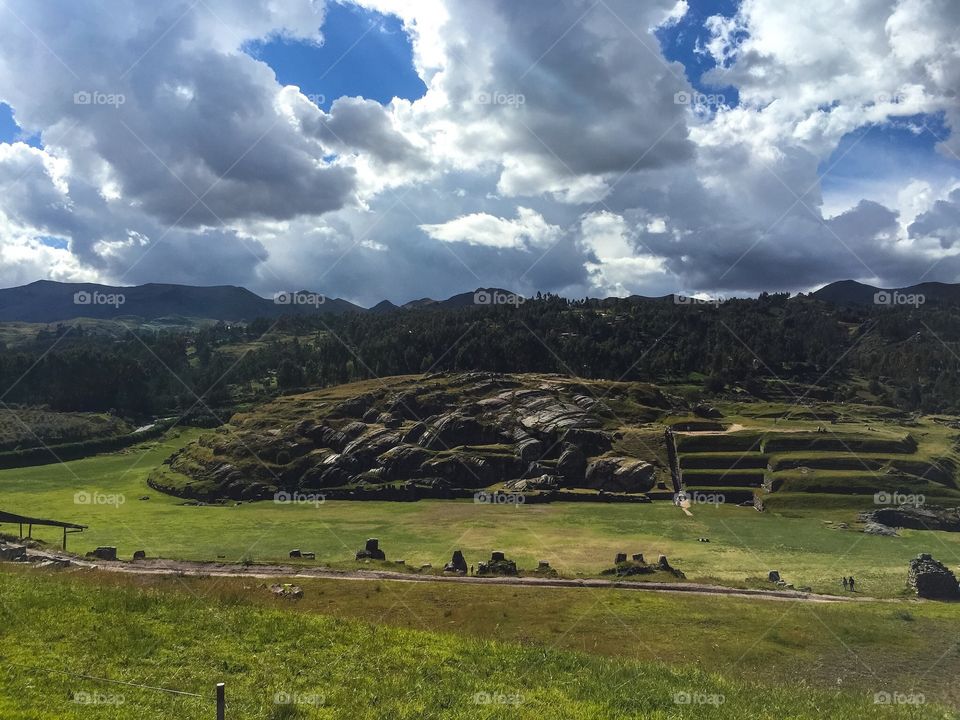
pixel 64 538
pixel 221 701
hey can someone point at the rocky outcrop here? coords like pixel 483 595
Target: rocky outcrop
pixel 932 579
pixel 927 517
pixel 418 438
pixel 619 474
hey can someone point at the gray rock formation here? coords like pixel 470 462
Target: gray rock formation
pixel 932 579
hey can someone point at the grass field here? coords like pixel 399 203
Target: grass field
pixel 574 537
pixel 63 634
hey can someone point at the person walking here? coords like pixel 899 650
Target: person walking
pixel 845 584
pixel 851 584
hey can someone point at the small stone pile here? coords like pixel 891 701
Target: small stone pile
pixel 544 570
pixel 498 565
pixel 287 591
pixel 371 551
pixel 932 579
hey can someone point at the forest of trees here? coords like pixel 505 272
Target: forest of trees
pixel 907 357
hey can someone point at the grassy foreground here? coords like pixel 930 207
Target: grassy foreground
pixel 283 664
pixel 796 540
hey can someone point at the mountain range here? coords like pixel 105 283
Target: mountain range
pixel 46 301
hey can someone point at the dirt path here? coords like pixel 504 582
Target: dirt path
pixel 268 572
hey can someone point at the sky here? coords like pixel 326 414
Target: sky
pixel 381 149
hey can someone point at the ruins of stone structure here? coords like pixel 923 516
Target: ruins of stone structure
pixel 371 551
pixel 498 565
pixel 457 563
pixel 932 579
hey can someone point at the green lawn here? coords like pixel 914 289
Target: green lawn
pixel 62 635
pixel 574 537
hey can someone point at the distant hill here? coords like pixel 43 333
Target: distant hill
pixel 851 292
pixel 46 301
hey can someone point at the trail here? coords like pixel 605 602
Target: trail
pixel 275 572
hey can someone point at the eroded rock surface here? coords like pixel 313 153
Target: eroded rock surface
pixel 437 436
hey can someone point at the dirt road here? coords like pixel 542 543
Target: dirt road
pixel 276 572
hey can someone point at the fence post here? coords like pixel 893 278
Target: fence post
pixel 221 701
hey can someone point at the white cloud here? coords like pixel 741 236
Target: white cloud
pixel 528 230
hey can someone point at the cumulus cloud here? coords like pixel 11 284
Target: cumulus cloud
pixel 549 152
pixel 528 230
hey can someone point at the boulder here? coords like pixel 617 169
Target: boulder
pixel 590 442
pixel 618 474
pixel 103 553
pixel 873 528
pixel 638 558
pixel 457 563
pixel 572 464
pixel 455 429
pixel 621 558
pixel 774 576
pixel 388 420
pixel 529 449
pixel 371 551
pixel 932 579
pixel 139 555
pixel 706 411
pixel 309 556
pixel 296 554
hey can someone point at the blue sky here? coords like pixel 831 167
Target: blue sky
pixel 364 54
pixel 680 43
